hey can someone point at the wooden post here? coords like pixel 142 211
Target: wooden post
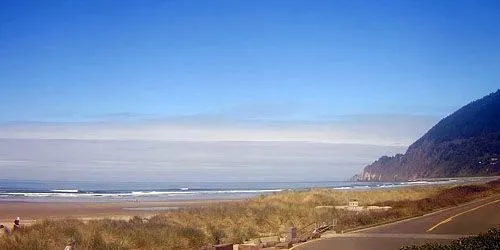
pixel 291 234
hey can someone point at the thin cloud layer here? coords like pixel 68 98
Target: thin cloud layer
pixel 183 161
pixel 366 129
pixel 201 149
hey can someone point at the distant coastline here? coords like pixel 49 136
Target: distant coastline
pixel 71 192
pixel 33 203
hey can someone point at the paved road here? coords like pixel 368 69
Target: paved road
pixel 442 227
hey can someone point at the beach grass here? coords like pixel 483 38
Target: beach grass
pixel 239 221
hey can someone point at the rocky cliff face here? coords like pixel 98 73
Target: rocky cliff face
pixel 466 143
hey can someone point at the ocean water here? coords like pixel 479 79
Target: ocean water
pixel 41 191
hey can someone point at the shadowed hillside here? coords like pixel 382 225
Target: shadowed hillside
pixel 466 143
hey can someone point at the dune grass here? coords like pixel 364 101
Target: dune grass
pixel 235 222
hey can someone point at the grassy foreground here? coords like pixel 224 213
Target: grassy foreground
pixel 236 222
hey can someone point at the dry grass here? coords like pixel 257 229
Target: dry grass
pixel 239 221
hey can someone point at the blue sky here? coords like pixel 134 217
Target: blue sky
pixel 376 73
pixel 81 59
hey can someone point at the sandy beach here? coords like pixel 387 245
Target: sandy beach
pixel 30 212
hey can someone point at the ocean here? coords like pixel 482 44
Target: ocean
pixel 90 191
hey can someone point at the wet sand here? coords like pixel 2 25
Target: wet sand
pixel 30 212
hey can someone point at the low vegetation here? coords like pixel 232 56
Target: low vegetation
pixel 235 222
pixel 486 241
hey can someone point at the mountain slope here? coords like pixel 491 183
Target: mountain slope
pixel 466 143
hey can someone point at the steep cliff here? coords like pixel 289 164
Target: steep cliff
pixel 466 143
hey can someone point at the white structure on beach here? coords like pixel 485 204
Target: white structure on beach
pixel 353 205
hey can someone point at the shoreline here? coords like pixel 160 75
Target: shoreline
pixel 31 212
pixel 239 221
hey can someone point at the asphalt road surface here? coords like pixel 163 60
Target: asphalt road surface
pixel 442 227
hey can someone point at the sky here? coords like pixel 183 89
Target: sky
pixel 343 82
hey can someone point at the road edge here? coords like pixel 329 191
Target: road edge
pixel 360 229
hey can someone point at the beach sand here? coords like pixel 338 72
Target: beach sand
pixel 30 212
